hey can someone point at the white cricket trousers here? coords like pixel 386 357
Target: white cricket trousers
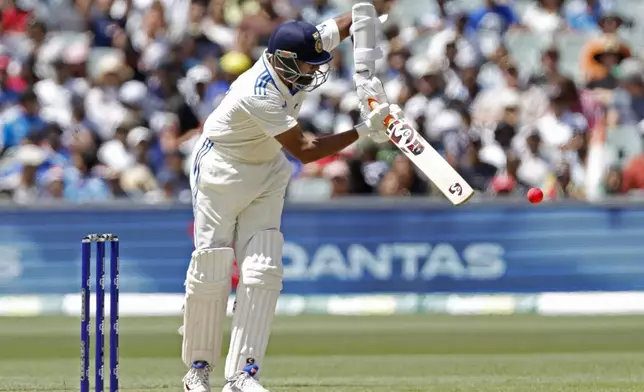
pixel 231 200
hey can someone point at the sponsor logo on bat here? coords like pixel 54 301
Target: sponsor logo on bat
pixel 456 189
pixel 404 136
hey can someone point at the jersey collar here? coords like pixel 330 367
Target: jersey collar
pixel 283 89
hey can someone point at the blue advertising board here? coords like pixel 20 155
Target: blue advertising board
pixel 350 248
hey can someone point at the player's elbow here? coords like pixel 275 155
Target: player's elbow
pixel 297 144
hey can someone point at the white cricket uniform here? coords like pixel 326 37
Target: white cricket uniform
pixel 239 173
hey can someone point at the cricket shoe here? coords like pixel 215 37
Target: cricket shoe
pixel 198 378
pixel 245 381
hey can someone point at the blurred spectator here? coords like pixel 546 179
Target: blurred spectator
pixel 476 172
pixel 25 121
pixel 627 104
pixel 628 179
pixel 15 16
pixel 31 157
pixel 600 55
pixel 562 186
pixel 549 70
pixel 584 15
pixel 338 173
pixel 318 11
pixel 544 17
pixel 494 16
pixel 262 23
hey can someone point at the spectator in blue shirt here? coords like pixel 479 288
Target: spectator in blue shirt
pixel 103 26
pixel 493 17
pixel 81 185
pixel 583 15
pixel 26 122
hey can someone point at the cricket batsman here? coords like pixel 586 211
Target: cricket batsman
pixel 239 178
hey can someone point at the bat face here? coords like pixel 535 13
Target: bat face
pixel 405 137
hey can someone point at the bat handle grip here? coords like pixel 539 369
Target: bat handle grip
pixel 373 104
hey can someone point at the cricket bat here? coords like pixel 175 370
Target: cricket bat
pixel 427 159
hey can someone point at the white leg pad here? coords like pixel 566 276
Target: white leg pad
pixel 257 293
pixel 207 290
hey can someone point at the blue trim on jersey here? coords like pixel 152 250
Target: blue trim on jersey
pixel 205 148
pixel 262 82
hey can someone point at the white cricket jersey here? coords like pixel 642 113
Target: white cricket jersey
pixel 257 107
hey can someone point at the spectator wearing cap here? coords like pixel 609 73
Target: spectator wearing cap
pixel 27 120
pixel 195 88
pixel 490 104
pixel 53 184
pixel 584 15
pixel 115 153
pixel 30 157
pixel 133 96
pixel 455 135
pixel 544 17
pixel 627 104
pixel 74 60
pixel 430 98
pixel 101 103
pixel 599 55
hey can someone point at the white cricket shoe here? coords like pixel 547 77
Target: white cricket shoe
pixel 198 378
pixel 243 382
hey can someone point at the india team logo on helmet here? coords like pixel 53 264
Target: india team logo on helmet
pixel 318 42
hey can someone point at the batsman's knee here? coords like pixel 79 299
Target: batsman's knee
pixel 209 272
pixel 262 264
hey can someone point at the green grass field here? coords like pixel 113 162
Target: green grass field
pixel 342 354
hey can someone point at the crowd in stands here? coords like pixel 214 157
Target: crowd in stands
pixel 104 99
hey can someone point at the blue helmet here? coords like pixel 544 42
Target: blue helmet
pixel 294 41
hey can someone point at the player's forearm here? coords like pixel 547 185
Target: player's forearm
pixel 344 24
pixel 324 146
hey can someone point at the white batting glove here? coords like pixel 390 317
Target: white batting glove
pixel 366 89
pixel 374 126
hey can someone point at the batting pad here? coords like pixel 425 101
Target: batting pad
pixel 207 289
pixel 257 293
pixel 363 28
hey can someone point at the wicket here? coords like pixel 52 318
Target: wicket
pixel 86 261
